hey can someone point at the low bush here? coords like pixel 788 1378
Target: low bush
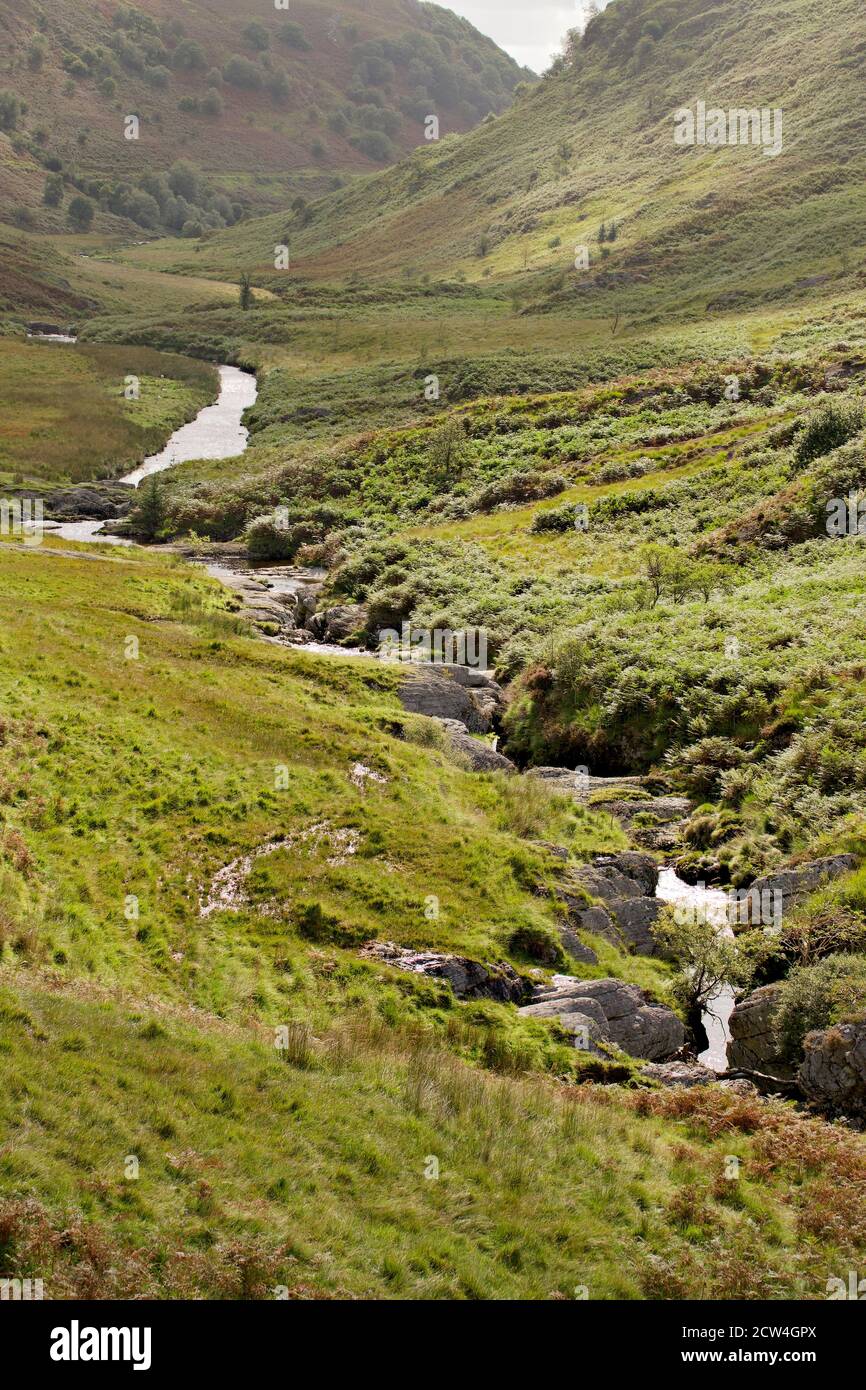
pixel 832 990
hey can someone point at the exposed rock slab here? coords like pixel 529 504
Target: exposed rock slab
pixel 99 501
pixel 636 918
pixel 679 1073
pixel 577 948
pixel 586 1032
pixel 338 623
pixel 833 1070
pixel 482 758
pixel 753 1045
pixel 626 884
pixel 579 784
pixel 798 882
pixel 613 877
pixel 669 813
pixel 469 979
pixel 449 692
pixel 634 1022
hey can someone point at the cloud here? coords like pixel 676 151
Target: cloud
pixel 530 30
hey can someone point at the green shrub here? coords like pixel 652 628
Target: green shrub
pixel 517 489
pixel 10 110
pixel 293 35
pixel 832 425
pixel 240 72
pixel 557 519
pixel 81 213
pixel 266 540
pixel 538 943
pixel 700 767
pixel 833 990
pixel 189 57
pixel 376 144
pixel 257 36
pixel 316 924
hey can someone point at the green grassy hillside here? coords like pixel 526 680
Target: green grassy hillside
pixel 697 229
pixel 620 473
pixel 199 1160
pixel 266 102
pixel 67 418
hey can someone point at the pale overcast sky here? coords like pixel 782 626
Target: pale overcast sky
pixel 530 30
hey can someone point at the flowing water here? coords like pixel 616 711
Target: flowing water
pixel 711 904
pixel 215 433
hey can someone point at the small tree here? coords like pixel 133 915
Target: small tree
pixel 81 213
pixel 52 196
pixel 708 960
pixel 149 514
pixel 183 179
pixel 448 449
pixel 257 36
pixel 10 110
pixel 189 57
pixel 212 103
pixel 245 297
pixel 706 576
pixel 661 568
pixel 279 88
pixel 36 53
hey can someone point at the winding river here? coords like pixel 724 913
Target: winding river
pixel 217 432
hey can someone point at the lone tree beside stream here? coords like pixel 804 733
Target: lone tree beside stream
pixel 149 514
pixel 707 960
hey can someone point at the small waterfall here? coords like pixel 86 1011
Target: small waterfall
pixel 711 904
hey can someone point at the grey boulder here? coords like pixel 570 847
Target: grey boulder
pixel 626 884
pixel 753 1045
pixel 685 1074
pixel 451 692
pixel 832 1073
pixel 338 623
pixel 481 757
pixel 635 1023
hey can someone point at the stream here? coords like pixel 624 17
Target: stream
pixel 711 903
pixel 215 433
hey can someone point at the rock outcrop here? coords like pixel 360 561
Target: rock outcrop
pixel 798 882
pixel 580 784
pixel 652 821
pixel 679 1073
pixel 452 692
pixel 832 1073
pixel 753 1045
pixel 626 884
pixel 469 979
pixel 656 823
pixel 101 501
pixel 337 624
pixel 623 1014
pixel 481 757
pixel 576 948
